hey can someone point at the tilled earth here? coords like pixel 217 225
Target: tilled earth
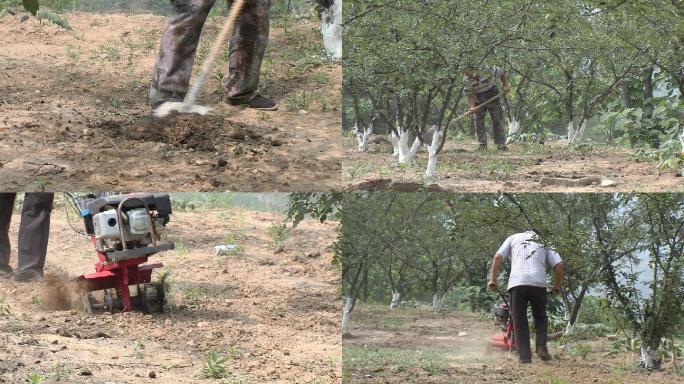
pixel 69 99
pixel 273 311
pixel 462 340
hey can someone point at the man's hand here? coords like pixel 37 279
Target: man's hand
pixel 555 290
pixel 493 285
pixel 506 89
pixel 472 110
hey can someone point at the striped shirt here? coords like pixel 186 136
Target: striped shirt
pixel 483 83
pixel 528 260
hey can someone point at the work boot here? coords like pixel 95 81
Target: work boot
pixel 158 98
pixel 482 148
pixel 5 271
pixel 27 276
pixel 525 361
pixel 259 102
pixel 503 148
pixel 543 354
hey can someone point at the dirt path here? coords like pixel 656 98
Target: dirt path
pixel 418 346
pixel 462 168
pixel 68 97
pixel 276 315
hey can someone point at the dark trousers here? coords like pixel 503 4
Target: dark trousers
pixel 521 296
pixel 34 229
pixel 179 43
pixel 495 112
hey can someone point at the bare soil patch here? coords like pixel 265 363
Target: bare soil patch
pixel 526 167
pixel 275 314
pixel 69 95
pixel 419 346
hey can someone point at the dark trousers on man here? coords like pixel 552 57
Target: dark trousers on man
pixel 495 112
pixel 179 43
pixel 34 229
pixel 521 296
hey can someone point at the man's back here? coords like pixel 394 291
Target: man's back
pixel 528 260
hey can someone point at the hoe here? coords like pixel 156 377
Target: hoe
pixel 125 230
pixel 502 313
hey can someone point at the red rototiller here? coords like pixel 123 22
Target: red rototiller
pixel 125 230
pixel 502 313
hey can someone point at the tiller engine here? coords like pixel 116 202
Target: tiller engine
pixel 126 230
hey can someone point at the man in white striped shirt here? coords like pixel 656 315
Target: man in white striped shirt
pixel 527 284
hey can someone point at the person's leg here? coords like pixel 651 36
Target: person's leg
pixel 480 124
pixel 247 47
pixel 538 299
pixel 34 231
pixel 521 328
pixel 496 113
pixel 172 71
pixel 6 207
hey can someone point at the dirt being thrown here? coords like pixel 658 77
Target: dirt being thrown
pixel 59 292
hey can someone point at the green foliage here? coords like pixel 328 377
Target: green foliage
pixel 34 378
pixel 580 350
pixel 31 6
pixel 54 18
pixel 320 206
pixel 214 366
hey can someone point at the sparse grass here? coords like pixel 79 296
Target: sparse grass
pixel 214 366
pixel 182 247
pixel 106 51
pixel 60 372
pixel 279 233
pixel 4 307
pixel 195 295
pixel 370 360
pixel 300 100
pixel 138 347
pixel 34 378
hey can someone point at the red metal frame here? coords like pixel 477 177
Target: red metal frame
pixel 505 340
pixel 118 275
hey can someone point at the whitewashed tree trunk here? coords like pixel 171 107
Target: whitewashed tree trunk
pixel 345 315
pixel 396 296
pixel 331 29
pixel 437 301
pixel 569 329
pixel 571 130
pixel 579 133
pixel 432 153
pixel 406 154
pixel 362 136
pixel 513 129
pixel 394 140
pixel 649 358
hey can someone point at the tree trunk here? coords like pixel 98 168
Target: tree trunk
pixel 349 304
pixel 331 29
pixel 396 296
pixel 648 94
pixel 649 358
pixel 362 136
pixel 624 94
pixel 574 312
pixel 513 129
pixel 437 301
pixel 407 153
pixel 432 150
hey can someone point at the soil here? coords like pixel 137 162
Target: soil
pixel 274 311
pixel 531 167
pixel 462 340
pixel 71 98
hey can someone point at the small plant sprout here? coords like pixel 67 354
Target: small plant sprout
pixel 214 366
